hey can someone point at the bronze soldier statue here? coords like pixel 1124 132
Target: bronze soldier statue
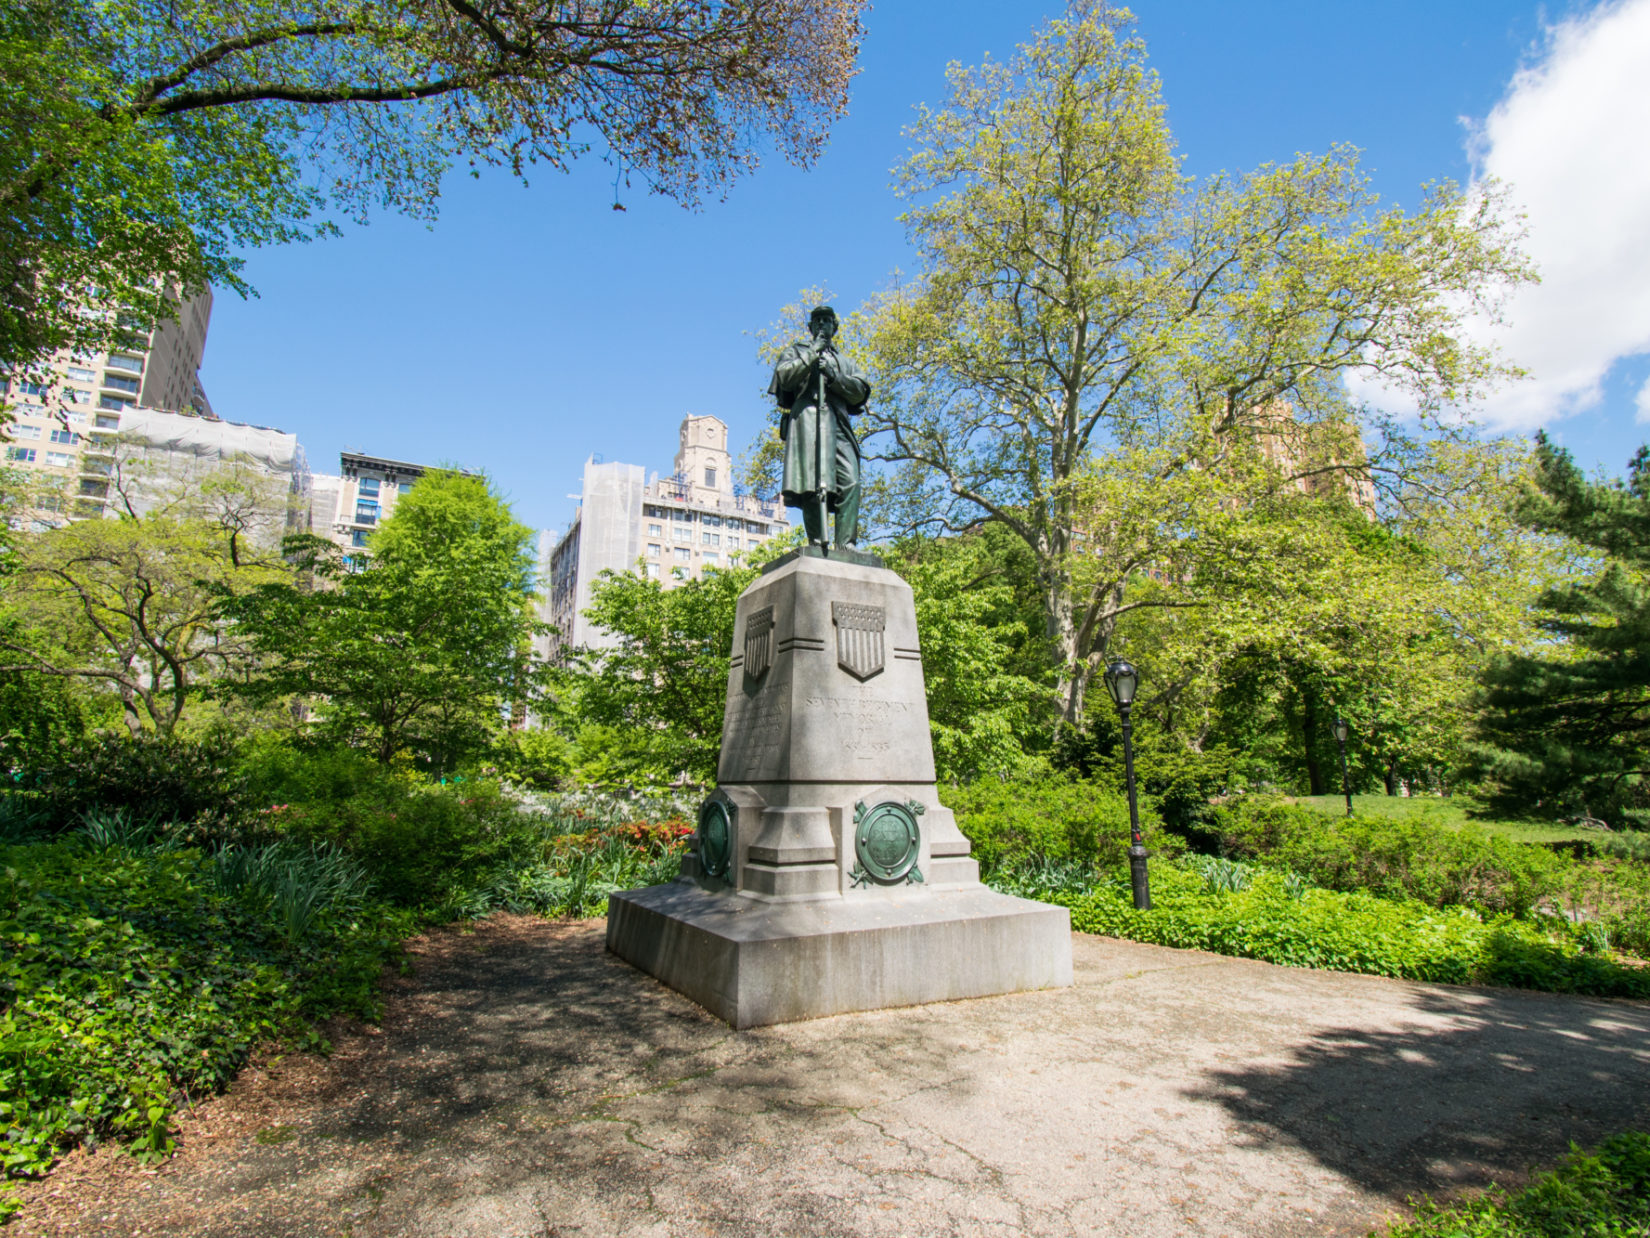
pixel 819 391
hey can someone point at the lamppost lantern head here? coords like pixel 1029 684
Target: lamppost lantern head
pixel 1121 681
pixel 1342 730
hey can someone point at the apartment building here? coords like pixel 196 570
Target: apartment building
pixel 347 508
pixel 1326 458
pixel 159 456
pixel 670 528
pixel 65 427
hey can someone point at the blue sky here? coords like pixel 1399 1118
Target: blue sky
pixel 533 327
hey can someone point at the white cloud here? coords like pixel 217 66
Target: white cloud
pixel 1569 138
pixel 1643 403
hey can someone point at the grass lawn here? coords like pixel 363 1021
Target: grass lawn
pixel 1454 811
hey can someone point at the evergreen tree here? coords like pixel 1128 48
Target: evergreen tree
pixel 1568 731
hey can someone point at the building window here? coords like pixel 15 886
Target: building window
pixel 654 549
pixel 22 431
pixel 354 563
pixel 403 487
pixel 651 570
pixel 120 384
pixel 20 455
pixel 65 436
pixel 654 530
pixel 679 514
pixel 733 542
pixel 682 552
pixel 710 478
pixel 121 362
pixel 79 374
pixel 114 404
pixel 714 521
pixel 711 558
pixel 710 539
pixel 31 388
pixel 78 419
pixel 358 537
pixel 369 486
pixel 366 513
pixel 682 535
pixel 59 459
pixel 108 423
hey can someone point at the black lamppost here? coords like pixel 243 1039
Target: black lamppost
pixel 1341 732
pixel 1121 681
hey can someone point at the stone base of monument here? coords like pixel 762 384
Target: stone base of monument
pixel 753 963
pixel 825 875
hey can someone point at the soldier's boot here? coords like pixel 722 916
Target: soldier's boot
pixel 847 516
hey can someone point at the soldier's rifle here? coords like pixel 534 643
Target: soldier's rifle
pixel 820 489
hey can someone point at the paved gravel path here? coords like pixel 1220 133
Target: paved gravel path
pixel 526 1083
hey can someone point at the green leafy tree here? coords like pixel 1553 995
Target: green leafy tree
pixel 1081 296
pixel 1339 615
pixel 38 713
pixel 661 688
pixel 130 606
pixel 1568 729
pixel 418 652
pixel 145 145
pixel 982 711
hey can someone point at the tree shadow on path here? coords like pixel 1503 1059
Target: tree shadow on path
pixel 1484 1086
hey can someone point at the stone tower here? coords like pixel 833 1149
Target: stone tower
pixel 703 459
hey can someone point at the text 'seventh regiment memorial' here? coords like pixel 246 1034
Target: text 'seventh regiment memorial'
pixel 825 876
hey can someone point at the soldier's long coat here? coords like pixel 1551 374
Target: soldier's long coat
pixel 810 437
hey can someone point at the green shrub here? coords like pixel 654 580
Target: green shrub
pixel 1627 845
pixel 293 884
pixel 1610 898
pixel 1602 1194
pixel 583 847
pixel 574 881
pixel 1179 781
pixel 419 844
pixel 1053 819
pixel 134 977
pixel 1277 920
pixel 193 785
pixel 1041 878
pixel 539 757
pixel 1439 865
pixel 22 818
pixel 274 770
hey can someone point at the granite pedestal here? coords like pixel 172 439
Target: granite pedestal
pixel 825 875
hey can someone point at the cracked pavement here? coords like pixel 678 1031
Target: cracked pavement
pixel 527 1083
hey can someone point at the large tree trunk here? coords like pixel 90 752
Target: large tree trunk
pixel 1309 731
pixel 1062 633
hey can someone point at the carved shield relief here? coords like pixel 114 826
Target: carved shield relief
pixel 858 638
pixel 759 642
